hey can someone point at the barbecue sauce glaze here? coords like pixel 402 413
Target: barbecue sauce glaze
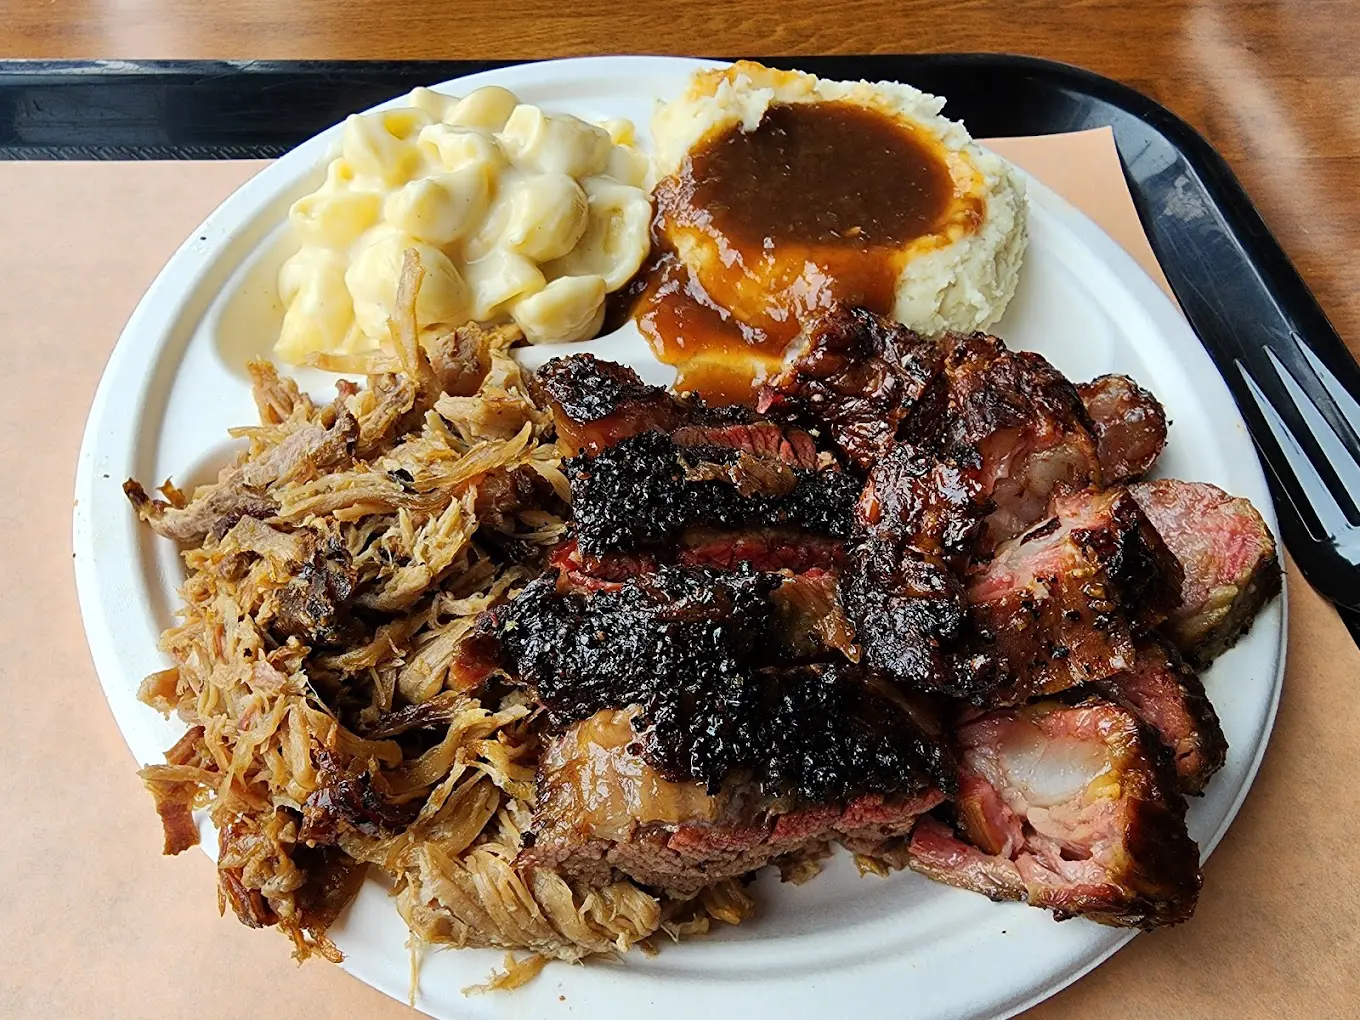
pixel 760 230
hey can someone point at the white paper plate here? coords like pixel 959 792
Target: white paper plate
pixel 866 947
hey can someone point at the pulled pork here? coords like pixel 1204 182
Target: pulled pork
pixel 333 571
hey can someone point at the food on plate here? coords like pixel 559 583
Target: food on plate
pixel 1070 809
pixel 520 216
pixel 1231 566
pixel 569 657
pixel 861 375
pixel 964 442
pixel 1063 602
pixel 597 403
pixel 333 571
pixel 604 809
pixel 648 488
pixel 1006 423
pixel 1167 695
pixel 1129 423
pixel 781 195
pixel 707 658
pixel 672 478
pixel 659 677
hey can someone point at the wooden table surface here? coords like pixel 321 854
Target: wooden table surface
pixel 1274 85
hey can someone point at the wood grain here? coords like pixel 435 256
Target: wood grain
pixel 1274 85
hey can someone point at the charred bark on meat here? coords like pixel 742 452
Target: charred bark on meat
pixel 699 651
pixel 860 377
pixel 645 490
pixel 597 403
pixel 1062 604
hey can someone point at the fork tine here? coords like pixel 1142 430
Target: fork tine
pixel 1340 456
pixel 1346 404
pixel 1315 490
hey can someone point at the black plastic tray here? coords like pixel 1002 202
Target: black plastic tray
pixel 1238 288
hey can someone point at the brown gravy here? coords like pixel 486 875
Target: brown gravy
pixel 815 207
pixel 820 174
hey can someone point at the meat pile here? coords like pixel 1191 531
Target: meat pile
pixel 917 604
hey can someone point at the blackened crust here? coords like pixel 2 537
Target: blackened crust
pixel 697 650
pixel 645 490
pixel 588 389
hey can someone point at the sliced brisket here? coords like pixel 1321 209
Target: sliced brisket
pixel 707 656
pixel 776 548
pixel 604 809
pixel 736 428
pixel 1228 555
pixel 596 403
pixel 765 549
pixel 644 491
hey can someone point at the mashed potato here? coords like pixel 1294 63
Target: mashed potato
pixel 958 275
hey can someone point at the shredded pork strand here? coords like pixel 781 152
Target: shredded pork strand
pixel 333 570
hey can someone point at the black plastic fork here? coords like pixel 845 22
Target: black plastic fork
pixel 1313 422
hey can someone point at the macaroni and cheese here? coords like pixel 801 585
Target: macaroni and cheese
pixel 518 215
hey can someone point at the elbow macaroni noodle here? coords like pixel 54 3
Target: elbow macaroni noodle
pixel 518 215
